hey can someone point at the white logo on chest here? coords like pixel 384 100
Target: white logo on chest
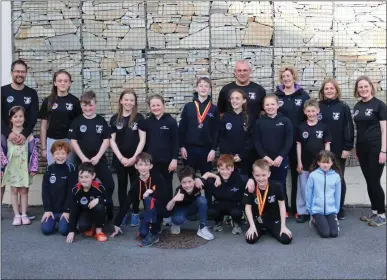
pixel 319 133
pixel 27 100
pixel 69 106
pixel 252 95
pixel 368 112
pixel 99 128
pixel 336 116
pixel 271 198
pixel 298 102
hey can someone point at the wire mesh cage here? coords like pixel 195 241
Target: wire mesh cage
pixel 162 47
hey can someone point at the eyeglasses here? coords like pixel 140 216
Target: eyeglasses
pixel 19 71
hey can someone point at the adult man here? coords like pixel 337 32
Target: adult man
pixel 18 94
pixel 254 91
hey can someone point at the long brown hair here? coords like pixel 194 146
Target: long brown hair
pixel 13 111
pixel 334 83
pixel 54 90
pixel 326 156
pixel 244 106
pixel 121 109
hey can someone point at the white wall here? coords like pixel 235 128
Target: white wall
pixel 6 42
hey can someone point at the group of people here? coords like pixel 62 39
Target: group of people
pixel 258 135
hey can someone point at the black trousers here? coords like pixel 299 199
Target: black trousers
pixel 327 226
pixel 294 175
pixel 342 162
pixel 219 209
pixel 122 180
pixel 197 159
pixel 273 227
pixel 368 155
pixel 162 168
pixel 89 217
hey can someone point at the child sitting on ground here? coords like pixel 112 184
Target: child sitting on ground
pixel 87 205
pixel 188 201
pixel 58 181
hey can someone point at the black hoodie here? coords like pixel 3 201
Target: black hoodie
pixel 337 116
pixel 273 137
pixel 190 134
pixel 292 106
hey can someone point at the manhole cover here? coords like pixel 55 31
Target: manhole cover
pixel 185 240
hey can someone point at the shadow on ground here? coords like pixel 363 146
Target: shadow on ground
pixel 359 252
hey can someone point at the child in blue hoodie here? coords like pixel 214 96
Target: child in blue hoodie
pixel 323 191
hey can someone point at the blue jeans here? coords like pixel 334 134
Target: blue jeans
pixel 48 227
pixel 150 216
pixel 199 206
pixel 279 174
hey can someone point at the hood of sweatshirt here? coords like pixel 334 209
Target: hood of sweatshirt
pixel 329 172
pixel 278 116
pixel 196 97
pixel 297 87
pixel 330 101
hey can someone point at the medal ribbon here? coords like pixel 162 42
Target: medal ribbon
pixel 261 202
pixel 201 117
pixel 147 186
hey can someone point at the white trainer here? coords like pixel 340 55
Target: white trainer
pixel 175 229
pixel 205 233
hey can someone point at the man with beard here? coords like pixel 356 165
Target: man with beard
pixel 18 94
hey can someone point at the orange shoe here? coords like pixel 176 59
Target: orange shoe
pixel 89 233
pixel 101 237
pixel 287 215
pixel 296 216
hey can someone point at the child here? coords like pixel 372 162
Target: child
pixel 312 137
pixel 58 181
pixel 87 205
pixel 198 129
pixel 235 134
pixel 322 194
pixel 188 201
pixel 151 189
pixel 57 113
pixel 4 163
pixel 265 207
pixel 22 166
pixel 127 142
pixel 228 194
pixel 273 138
pixel 162 142
pixel 90 134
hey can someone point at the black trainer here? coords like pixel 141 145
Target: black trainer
pixel 302 218
pixel 341 214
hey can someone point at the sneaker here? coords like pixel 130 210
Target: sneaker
pixel 149 240
pixel 17 221
pixel 341 214
pixel 227 220
pixel 31 217
pixel 205 233
pixel 101 237
pixel 218 226
pixel 167 221
pixel 25 220
pixel 236 229
pixel 125 221
pixel 367 218
pixel 287 215
pixel 296 216
pixel 134 220
pixel 175 229
pixel 302 218
pixel 89 233
pixel 377 221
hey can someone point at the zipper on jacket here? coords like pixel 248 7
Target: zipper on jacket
pixel 325 183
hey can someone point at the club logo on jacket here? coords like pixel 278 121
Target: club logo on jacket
pixel 305 134
pixel 319 133
pixel 164 127
pixel 99 128
pixel 280 102
pixel 119 125
pixel 234 189
pixel 54 106
pixel 84 200
pixel 228 126
pixel 368 112
pixel 52 179
pixel 252 95
pixel 83 128
pixel 319 116
pixel 280 124
pixel 27 100
pixel 298 102
pixel 134 126
pixel 10 99
pixel 336 116
pixel 69 106
pixel 271 198
pixel 355 113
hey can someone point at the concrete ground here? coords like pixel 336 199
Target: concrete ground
pixel 359 252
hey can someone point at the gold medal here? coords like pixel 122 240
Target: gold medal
pixel 260 220
pixel 201 117
pixel 261 201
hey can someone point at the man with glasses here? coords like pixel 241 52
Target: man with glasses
pixel 18 94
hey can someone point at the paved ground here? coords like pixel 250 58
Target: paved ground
pixel 359 252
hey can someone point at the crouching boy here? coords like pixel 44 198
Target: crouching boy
pixel 188 201
pixel 87 205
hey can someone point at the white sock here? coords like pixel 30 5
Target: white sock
pixel 382 215
pixel 374 211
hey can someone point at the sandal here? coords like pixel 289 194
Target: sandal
pixel 17 221
pixel 25 220
pixel 101 237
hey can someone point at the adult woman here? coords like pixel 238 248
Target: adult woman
pixel 291 99
pixel 370 115
pixel 336 114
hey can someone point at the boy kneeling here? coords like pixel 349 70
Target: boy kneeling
pixel 87 205
pixel 188 201
pixel 262 211
pixel 151 189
